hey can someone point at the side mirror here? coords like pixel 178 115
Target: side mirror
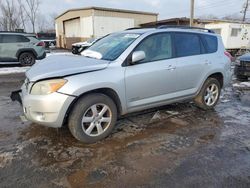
pixel 138 56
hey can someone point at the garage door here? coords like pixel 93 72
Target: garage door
pixel 72 28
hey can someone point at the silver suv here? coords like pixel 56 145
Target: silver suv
pixel 21 48
pixel 122 73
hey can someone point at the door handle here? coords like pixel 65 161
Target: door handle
pixel 171 68
pixel 208 62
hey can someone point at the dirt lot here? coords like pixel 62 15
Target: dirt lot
pixel 174 146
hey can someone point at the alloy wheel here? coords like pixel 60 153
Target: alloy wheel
pixel 96 120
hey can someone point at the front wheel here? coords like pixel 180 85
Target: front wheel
pixel 92 118
pixel 209 94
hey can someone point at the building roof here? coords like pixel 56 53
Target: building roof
pixel 186 20
pixel 173 21
pixel 108 9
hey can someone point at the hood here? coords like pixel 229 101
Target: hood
pixel 245 57
pixel 64 65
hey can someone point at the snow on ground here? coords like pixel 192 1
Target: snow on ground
pixel 242 85
pixel 13 70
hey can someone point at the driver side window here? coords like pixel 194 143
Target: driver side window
pixel 156 47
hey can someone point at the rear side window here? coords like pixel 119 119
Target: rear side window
pixel 210 42
pixel 187 44
pixel 14 39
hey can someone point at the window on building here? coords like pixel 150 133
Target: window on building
pixel 235 32
pixel 217 31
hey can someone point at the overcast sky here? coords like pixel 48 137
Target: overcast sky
pixel 165 8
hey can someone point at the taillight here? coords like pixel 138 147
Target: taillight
pixel 40 44
pixel 229 56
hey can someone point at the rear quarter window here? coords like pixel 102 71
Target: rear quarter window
pixel 187 44
pixel 210 43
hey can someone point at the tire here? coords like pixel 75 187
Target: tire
pixel 242 78
pixel 27 59
pixel 209 94
pixel 86 122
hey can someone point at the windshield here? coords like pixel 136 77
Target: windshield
pixel 110 47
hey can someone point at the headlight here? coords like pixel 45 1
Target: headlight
pixel 48 86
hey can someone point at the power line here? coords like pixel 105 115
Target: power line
pixel 245 11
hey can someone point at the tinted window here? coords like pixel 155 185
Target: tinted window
pixel 14 39
pixel 187 44
pixel 156 47
pixel 210 42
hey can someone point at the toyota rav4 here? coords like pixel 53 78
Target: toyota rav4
pixel 125 72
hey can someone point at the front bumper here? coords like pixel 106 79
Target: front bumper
pixel 242 71
pixel 49 110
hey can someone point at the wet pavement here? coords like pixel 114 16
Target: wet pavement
pixel 177 145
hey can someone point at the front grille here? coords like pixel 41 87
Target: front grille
pixel 245 63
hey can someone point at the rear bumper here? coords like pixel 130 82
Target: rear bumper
pixel 48 110
pixel 42 56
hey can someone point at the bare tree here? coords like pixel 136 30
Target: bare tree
pixel 9 19
pixel 22 13
pixel 32 10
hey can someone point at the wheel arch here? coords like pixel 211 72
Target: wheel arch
pixel 26 50
pixel 106 91
pixel 219 76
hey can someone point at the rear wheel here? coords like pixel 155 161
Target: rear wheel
pixel 93 118
pixel 209 94
pixel 27 59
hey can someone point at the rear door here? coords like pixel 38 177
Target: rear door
pixel 192 62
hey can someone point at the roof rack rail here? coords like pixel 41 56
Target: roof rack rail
pixel 11 32
pixel 184 27
pixel 133 28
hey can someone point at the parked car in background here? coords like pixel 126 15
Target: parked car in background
pixel 20 48
pixel 242 67
pixel 122 73
pixel 49 39
pixel 78 47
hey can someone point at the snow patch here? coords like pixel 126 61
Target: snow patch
pixel 242 84
pixel 13 70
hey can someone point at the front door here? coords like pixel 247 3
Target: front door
pixel 151 80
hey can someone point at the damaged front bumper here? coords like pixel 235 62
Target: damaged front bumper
pixel 16 96
pixel 48 110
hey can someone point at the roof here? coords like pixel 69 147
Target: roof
pixel 224 21
pixel 185 19
pixel 173 20
pixel 108 9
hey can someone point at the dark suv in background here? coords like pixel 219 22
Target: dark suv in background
pixel 20 47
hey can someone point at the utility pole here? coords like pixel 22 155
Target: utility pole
pixel 245 11
pixel 192 13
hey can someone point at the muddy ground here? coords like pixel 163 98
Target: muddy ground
pixel 177 145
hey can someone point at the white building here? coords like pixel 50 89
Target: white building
pixel 235 35
pixel 81 24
